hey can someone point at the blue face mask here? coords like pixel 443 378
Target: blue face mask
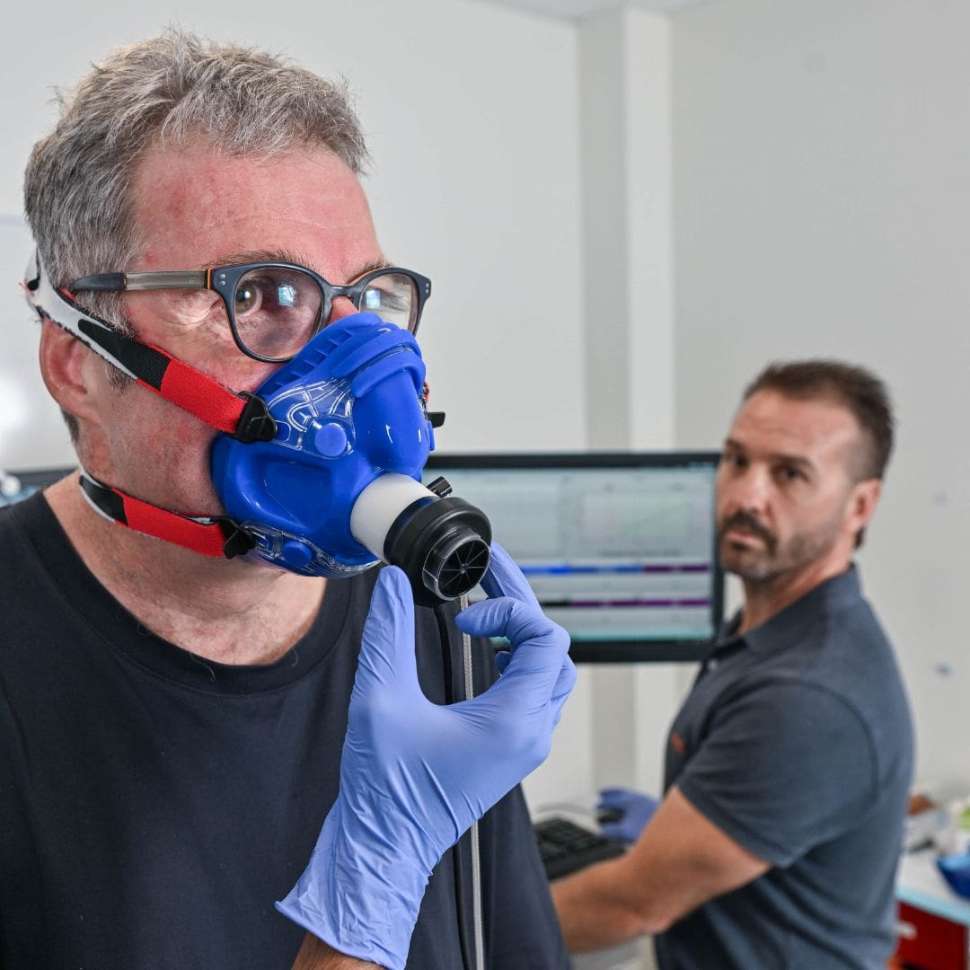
pixel 319 470
pixel 347 409
pixel 339 485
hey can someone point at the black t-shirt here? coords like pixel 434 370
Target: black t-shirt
pixel 153 804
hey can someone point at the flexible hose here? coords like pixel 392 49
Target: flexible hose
pixel 473 957
pixel 479 923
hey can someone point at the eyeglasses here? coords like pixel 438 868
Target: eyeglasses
pixel 275 309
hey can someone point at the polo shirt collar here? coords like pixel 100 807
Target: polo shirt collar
pixel 778 631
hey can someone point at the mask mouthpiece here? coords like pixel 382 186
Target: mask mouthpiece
pixel 441 542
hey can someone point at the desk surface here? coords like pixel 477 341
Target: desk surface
pixel 920 884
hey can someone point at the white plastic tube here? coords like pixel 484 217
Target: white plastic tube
pixel 378 506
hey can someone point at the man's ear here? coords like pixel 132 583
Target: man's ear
pixel 65 365
pixel 862 504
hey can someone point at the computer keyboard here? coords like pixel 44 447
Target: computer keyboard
pixel 566 847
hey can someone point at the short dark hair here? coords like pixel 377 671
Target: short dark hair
pixel 858 389
pixel 864 394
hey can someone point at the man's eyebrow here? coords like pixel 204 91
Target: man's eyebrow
pixel 797 460
pixel 260 256
pixel 380 263
pixel 731 444
pixel 289 256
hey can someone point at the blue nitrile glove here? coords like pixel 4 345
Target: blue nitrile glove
pixel 414 775
pixel 956 871
pixel 627 813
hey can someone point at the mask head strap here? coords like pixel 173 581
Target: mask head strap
pixel 218 537
pixel 243 416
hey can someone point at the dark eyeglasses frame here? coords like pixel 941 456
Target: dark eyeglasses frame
pixel 224 280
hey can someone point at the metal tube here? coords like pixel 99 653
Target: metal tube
pixel 478 921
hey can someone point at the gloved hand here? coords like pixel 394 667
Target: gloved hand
pixel 627 813
pixel 414 776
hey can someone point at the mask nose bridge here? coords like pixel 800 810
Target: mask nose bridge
pixel 392 363
pixel 369 349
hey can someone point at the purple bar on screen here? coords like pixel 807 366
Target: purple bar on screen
pixel 650 604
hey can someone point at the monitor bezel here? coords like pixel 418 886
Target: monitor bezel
pixel 609 651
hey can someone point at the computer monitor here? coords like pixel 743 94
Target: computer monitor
pixel 619 548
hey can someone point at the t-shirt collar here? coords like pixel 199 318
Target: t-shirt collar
pixel 108 619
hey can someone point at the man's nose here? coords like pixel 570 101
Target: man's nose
pixel 340 308
pixel 751 489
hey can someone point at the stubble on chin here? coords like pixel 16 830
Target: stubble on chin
pixel 763 567
pixel 751 566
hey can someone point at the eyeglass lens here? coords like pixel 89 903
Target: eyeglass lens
pixel 277 310
pixel 394 298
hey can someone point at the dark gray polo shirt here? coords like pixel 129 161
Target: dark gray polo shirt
pixel 796 741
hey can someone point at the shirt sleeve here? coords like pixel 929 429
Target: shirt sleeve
pixel 784 766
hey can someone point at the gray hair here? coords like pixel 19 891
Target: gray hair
pixel 164 91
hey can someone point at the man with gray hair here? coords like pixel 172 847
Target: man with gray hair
pixel 177 720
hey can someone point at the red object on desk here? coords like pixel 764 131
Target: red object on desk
pixel 930 942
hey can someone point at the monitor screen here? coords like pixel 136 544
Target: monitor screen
pixel 619 548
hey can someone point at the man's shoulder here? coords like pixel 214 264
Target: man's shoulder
pixel 9 526
pixel 18 555
pixel 27 581
pixel 21 519
pixel 841 668
pixel 837 656
pixel 841 648
pixel 866 686
pixel 855 621
pixel 853 656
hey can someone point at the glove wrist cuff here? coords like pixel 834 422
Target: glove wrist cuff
pixel 360 895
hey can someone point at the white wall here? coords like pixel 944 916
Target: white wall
pixel 822 199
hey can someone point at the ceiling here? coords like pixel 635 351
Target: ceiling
pixel 572 9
